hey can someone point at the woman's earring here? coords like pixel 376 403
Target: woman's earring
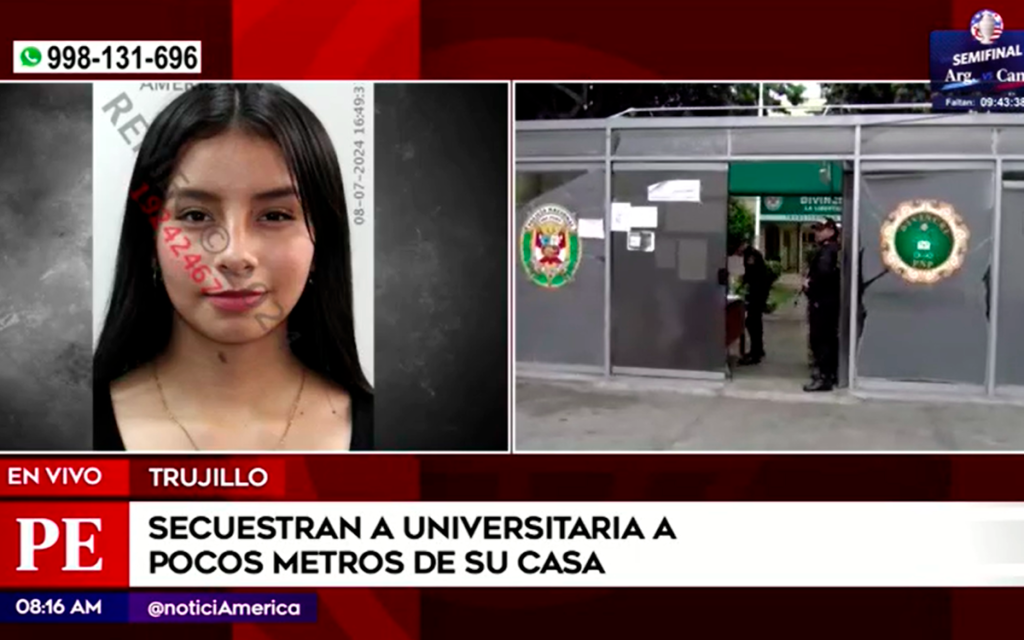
pixel 156 273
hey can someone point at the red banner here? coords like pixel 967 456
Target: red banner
pixel 71 477
pixel 235 478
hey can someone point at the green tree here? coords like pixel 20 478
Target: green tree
pixel 740 224
pixel 551 101
pixel 876 93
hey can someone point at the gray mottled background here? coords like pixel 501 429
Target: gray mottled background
pixel 45 266
pixel 441 273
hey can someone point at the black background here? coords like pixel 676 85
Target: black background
pixel 441 271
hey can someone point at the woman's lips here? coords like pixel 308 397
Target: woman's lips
pixel 236 301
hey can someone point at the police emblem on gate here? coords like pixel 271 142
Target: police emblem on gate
pixel 924 241
pixel 550 246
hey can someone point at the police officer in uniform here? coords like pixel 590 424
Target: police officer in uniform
pixel 823 286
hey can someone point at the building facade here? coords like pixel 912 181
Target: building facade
pixel 934 207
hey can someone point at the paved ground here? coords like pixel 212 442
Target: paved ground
pixel 785 338
pixel 648 415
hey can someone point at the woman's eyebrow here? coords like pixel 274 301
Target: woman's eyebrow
pixel 208 196
pixel 192 193
pixel 277 193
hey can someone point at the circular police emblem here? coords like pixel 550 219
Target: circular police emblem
pixel 550 246
pixel 924 241
pixel 986 26
pixel 773 203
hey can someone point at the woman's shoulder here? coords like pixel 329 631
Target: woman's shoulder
pixel 138 414
pixel 357 404
pixel 135 399
pixel 118 402
pixel 132 387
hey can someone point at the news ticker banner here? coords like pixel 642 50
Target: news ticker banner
pixel 244 477
pixel 980 68
pixel 281 545
pixel 210 608
pixel 216 478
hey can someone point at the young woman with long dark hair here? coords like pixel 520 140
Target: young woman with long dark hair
pixel 230 325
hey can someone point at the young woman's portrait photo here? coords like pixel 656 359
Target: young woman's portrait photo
pixel 233 268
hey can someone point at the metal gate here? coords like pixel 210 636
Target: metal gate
pixel 957 333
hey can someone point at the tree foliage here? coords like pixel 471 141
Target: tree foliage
pixel 740 223
pixel 551 101
pixel 875 93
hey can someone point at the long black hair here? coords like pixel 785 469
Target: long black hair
pixel 321 326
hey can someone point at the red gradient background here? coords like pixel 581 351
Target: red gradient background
pixel 577 39
pixel 517 39
pixel 330 39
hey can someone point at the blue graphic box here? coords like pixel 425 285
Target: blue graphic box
pixel 960 63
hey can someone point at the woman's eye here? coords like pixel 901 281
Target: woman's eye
pixel 277 216
pixel 193 216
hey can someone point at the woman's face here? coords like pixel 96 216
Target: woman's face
pixel 235 253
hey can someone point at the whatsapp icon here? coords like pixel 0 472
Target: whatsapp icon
pixel 30 56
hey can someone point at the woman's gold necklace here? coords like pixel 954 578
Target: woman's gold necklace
pixel 170 414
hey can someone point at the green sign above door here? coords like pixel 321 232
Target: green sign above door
pixel 786 178
pixel 800 208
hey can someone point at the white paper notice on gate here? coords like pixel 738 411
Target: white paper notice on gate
pixel 643 218
pixel 620 216
pixel 591 228
pixel 674 191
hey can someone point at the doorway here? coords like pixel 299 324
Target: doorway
pixel 789 199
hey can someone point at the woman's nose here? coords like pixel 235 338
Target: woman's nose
pixel 238 258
